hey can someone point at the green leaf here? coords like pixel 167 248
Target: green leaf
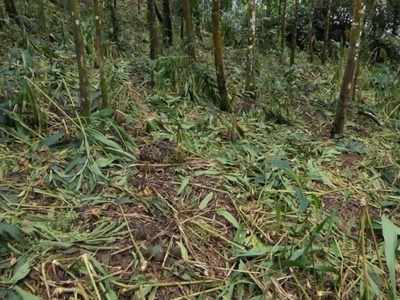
pixel 184 252
pixel 317 174
pixel 302 199
pixel 228 216
pixel 390 235
pixel 53 139
pixel 103 139
pixel 104 162
pixel 281 164
pixel 10 232
pixel 22 270
pixel 111 295
pixel 184 184
pixel 25 295
pixel 206 200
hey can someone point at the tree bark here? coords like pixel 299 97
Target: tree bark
pixel 80 56
pixel 251 49
pixel 189 32
pixel 327 32
pixel 182 28
pixel 153 32
pixel 168 32
pixel 294 33
pixel 283 28
pixel 98 11
pixel 158 13
pixel 349 73
pixel 311 33
pixel 114 22
pixel 225 103
pixel 279 32
pixel 42 16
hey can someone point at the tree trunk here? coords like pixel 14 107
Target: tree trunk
pixel 168 32
pixel 189 33
pixel 311 33
pixel 80 56
pixel 42 16
pixel 294 33
pixel 225 102
pixel 349 73
pixel 158 13
pixel 114 22
pixel 98 11
pixel 251 49
pixel 283 28
pixel 11 11
pixel 327 32
pixel 182 28
pixel 279 33
pixel 153 32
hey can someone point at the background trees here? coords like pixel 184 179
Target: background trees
pixel 351 66
pixel 208 149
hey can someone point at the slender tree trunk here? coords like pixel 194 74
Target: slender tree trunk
pixel 112 5
pixel 327 32
pixel 168 32
pixel 225 102
pixel 182 28
pixel 42 16
pixel 251 49
pixel 11 11
pixel 198 27
pixel 283 28
pixel 354 94
pixel 279 33
pixel 349 73
pixel 311 33
pixel 98 11
pixel 153 32
pixel 80 56
pixel 65 4
pixel 189 33
pixel 158 13
pixel 294 33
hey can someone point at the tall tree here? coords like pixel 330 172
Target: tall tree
pixel 189 32
pixel 80 57
pixel 225 102
pixel 283 27
pixel 153 32
pixel 112 7
pixel 350 69
pixel 251 48
pixel 327 31
pixel 167 20
pixel 42 16
pixel 311 32
pixel 98 12
pixel 294 33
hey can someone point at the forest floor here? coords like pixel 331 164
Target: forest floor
pixel 169 198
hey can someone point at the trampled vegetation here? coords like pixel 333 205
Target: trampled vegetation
pixel 199 149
